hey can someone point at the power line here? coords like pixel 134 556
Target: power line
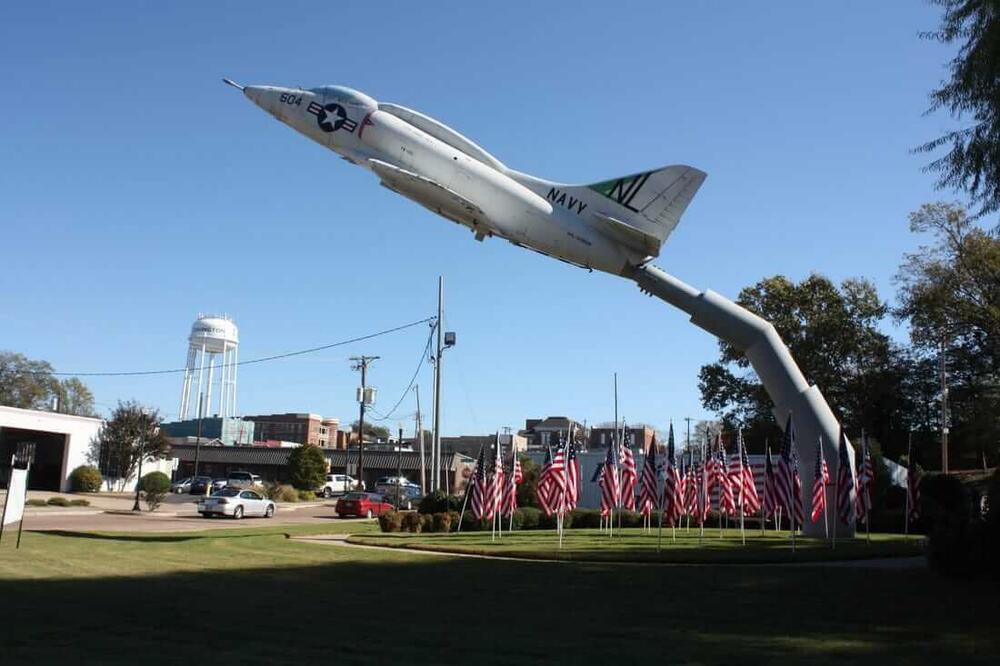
pixel 413 379
pixel 264 359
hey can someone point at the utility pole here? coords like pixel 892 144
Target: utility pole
pixel 687 443
pixel 399 468
pixel 944 410
pixel 361 363
pixel 420 438
pixel 438 353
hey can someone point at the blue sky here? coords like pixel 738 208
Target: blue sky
pixel 138 191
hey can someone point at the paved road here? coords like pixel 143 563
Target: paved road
pixel 178 513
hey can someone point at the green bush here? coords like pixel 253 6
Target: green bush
pixel 441 522
pixel 79 502
pixel 527 518
pixel 307 467
pixel 306 495
pixel 586 518
pixel 85 479
pixel 470 523
pixel 438 502
pixel 35 502
pixel 58 501
pixel 550 522
pixel 280 492
pixel 154 487
pixel 390 521
pixel 426 522
pixel 631 519
pixel 411 522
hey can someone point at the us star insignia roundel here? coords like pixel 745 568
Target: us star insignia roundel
pixel 331 117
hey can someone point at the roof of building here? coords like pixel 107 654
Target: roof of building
pixel 262 455
pixel 554 422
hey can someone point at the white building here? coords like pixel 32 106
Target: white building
pixel 61 443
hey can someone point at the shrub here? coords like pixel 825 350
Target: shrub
pixel 453 517
pixel 470 523
pixel 586 518
pixel 35 502
pixel 154 487
pixel 426 522
pixel 411 522
pixel 58 501
pixel 281 492
pixel 441 522
pixel 438 501
pixel 305 495
pixel 79 502
pixel 631 519
pixel 549 522
pixel 390 521
pixel 307 467
pixel 85 479
pixel 527 518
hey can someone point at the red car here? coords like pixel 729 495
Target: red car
pixel 362 505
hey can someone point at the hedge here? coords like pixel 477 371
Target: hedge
pixel 85 479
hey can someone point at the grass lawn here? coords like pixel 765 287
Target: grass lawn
pixel 635 545
pixel 251 596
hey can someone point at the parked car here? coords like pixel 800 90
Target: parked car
pixel 362 505
pixel 402 497
pixel 237 503
pixel 243 480
pixel 200 485
pixel 219 484
pixel 337 484
pixel 391 483
pixel 181 486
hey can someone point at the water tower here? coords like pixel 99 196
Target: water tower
pixel 212 345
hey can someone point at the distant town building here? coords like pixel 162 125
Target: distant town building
pixel 642 437
pixel 301 428
pixel 230 431
pixel 541 433
pixel 469 445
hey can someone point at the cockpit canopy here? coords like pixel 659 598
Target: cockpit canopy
pixel 345 96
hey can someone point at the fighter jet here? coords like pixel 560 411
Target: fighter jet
pixel 613 225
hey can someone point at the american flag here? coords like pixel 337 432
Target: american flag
pixel 747 484
pixel 550 482
pixel 702 503
pixel 727 503
pixel 866 476
pixel 770 487
pixel 786 479
pixel 673 496
pixel 610 490
pixel 511 481
pixel 682 487
pixel 821 479
pixel 649 482
pixel 496 482
pixel 800 519
pixel 845 482
pixel 912 491
pixel 572 496
pixel 629 472
pixel 692 486
pixel 478 491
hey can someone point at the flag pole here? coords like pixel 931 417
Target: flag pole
pixel 743 533
pixel 909 464
pixel 661 497
pixel 20 524
pixel 703 505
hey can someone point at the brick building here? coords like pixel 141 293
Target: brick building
pixel 642 437
pixel 301 428
pixel 541 433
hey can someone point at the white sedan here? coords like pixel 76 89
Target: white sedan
pixel 236 502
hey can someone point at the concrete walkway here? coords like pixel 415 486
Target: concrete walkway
pixel 871 563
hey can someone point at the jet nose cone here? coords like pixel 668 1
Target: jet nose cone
pixel 262 96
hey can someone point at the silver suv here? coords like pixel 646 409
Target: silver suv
pixel 242 480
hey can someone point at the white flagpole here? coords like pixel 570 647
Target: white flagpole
pixel 739 439
pixel 826 505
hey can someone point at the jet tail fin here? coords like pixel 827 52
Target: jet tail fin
pixel 651 201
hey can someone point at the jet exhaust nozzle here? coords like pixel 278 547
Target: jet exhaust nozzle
pixel 230 82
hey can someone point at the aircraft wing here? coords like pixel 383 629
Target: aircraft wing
pixel 627 235
pixel 433 196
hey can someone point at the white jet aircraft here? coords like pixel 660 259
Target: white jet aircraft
pixel 614 226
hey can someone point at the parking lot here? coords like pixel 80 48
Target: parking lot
pixel 112 512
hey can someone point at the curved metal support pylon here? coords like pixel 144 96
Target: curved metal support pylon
pixel 783 380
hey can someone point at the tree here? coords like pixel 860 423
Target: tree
pixel 832 333
pixel 373 431
pixel 154 487
pixel 132 430
pixel 972 93
pixel 31 385
pixel 949 293
pixel 527 490
pixel 307 467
